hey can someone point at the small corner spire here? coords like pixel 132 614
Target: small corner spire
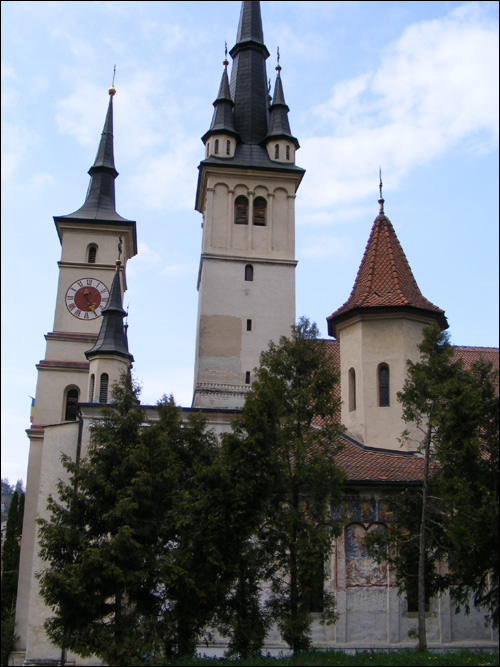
pixel 381 199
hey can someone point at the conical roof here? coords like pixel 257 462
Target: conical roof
pixel 222 120
pixel 112 339
pixel 100 200
pixel 384 281
pixel 279 125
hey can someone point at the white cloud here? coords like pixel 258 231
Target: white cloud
pixel 15 143
pixel 145 259
pixel 327 246
pixel 175 270
pixel 436 88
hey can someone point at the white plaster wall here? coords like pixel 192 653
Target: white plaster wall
pixel 367 341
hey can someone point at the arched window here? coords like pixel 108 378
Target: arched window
pixel 92 254
pixel 259 211
pixel 277 152
pixel 288 152
pixel 241 210
pixel 216 150
pixel 103 388
pixel 249 273
pixel 208 148
pixel 383 385
pixel 228 147
pixel 352 389
pixel 71 403
pixel 91 388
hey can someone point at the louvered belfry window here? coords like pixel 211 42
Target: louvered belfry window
pixel 71 403
pixel 92 254
pixel 241 210
pixel 103 388
pixel 259 211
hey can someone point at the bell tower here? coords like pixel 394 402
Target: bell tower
pixel 246 193
pixel 88 295
pixel 379 328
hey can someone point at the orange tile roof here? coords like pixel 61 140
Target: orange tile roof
pixel 472 354
pixel 375 466
pixel 384 279
pixel 364 464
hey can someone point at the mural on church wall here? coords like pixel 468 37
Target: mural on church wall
pixel 361 568
pixel 360 509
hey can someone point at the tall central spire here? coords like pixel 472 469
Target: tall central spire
pixel 249 90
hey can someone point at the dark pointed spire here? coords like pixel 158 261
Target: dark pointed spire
pixel 279 125
pixel 222 120
pixel 248 76
pixel 112 339
pixel 100 200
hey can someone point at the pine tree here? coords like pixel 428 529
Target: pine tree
pixel 103 542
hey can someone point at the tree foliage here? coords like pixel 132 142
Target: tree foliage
pixel 445 535
pixel 295 475
pixel 10 570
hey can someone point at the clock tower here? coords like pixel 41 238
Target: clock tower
pixel 88 294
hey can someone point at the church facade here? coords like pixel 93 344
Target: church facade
pixel 248 182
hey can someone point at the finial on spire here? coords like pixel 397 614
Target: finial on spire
pixel 278 66
pixel 381 200
pixel 112 90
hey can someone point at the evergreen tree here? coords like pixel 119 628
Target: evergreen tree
pixel 10 572
pixel 10 558
pixel 294 476
pixel 105 540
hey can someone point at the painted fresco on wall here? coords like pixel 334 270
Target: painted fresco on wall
pixel 361 567
pixel 361 509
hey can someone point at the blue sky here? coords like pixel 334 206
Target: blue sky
pixel 408 86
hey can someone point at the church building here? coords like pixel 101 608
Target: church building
pixel 247 185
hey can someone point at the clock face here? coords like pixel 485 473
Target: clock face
pixel 86 298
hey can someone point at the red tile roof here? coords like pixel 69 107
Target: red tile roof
pixel 363 464
pixel 472 354
pixel 384 279
pixel 370 465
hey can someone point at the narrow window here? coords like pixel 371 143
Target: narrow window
pixel 383 385
pixel 249 325
pixel 288 152
pixel 241 210
pixel 259 211
pixel 249 273
pixel 92 254
pixel 314 588
pixel 352 389
pixel 277 152
pixel 91 388
pixel 247 377
pixel 228 147
pixel 103 389
pixel 216 150
pixel 208 149
pixel 71 403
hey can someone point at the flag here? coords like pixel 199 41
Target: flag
pixel 32 413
